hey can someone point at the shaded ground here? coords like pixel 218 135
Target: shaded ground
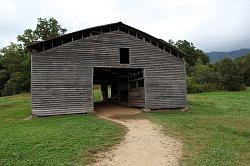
pixel 144 144
pixel 111 111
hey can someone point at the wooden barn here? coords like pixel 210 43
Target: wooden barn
pixel 141 70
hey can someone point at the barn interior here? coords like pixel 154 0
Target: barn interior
pixel 124 86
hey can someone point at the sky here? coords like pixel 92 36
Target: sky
pixel 211 25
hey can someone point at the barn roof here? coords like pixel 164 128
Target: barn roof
pixel 56 41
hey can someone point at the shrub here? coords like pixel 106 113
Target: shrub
pixel 244 64
pixel 194 87
pixel 16 84
pixel 230 74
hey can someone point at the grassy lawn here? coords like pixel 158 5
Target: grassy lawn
pixel 216 131
pixel 54 140
pixel 97 93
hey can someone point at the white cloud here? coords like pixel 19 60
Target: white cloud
pixel 209 24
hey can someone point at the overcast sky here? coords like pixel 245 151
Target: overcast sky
pixel 212 25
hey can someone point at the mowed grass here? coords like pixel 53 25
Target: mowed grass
pixel 54 140
pixel 97 93
pixel 216 131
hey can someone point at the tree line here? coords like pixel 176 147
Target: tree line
pixel 202 76
pixel 15 64
pixel 15 59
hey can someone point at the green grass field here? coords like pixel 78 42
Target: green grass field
pixel 54 140
pixel 216 131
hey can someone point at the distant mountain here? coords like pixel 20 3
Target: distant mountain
pixel 216 56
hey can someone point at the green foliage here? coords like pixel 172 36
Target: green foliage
pixel 15 71
pixel 54 140
pixel 28 37
pixel 224 75
pixel 19 82
pixel 193 86
pixel 215 131
pixel 15 59
pixel 204 78
pixel 45 29
pixel 193 53
pixel 4 77
pixel 230 74
pixel 203 73
pixel 97 93
pixel 244 65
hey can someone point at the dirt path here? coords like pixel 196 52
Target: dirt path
pixel 144 144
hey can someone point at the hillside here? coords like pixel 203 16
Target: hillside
pixel 216 56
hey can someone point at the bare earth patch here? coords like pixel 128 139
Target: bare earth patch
pixel 144 144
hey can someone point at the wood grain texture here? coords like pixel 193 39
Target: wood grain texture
pixel 62 77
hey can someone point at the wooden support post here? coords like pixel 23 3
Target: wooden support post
pixel 34 51
pixel 118 91
pixel 43 46
pixel 114 90
pixel 72 39
pixel 104 89
pixel 52 45
pixel 62 42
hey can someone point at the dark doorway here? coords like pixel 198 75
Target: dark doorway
pixel 119 85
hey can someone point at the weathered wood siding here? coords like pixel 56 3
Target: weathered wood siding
pixel 62 76
pixel 136 97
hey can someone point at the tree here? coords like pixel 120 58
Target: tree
pixel 15 59
pixel 230 74
pixel 45 29
pixel 15 72
pixel 205 74
pixel 28 37
pixel 244 64
pixel 192 52
pixel 170 41
pixel 203 78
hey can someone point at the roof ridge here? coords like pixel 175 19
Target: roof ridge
pixel 69 37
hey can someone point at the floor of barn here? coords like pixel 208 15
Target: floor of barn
pixel 109 110
pixel 144 144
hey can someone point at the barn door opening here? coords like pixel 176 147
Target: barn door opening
pixel 99 94
pixel 119 85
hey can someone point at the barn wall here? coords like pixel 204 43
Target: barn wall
pixel 62 76
pixel 60 85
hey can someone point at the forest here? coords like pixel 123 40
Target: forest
pixel 202 76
